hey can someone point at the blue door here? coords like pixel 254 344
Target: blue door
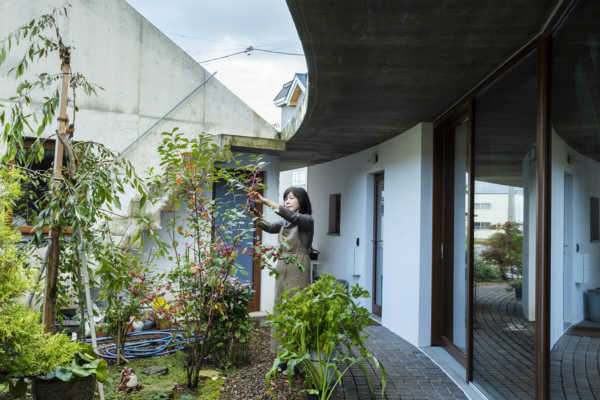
pixel 229 200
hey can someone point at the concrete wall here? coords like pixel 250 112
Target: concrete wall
pixel 143 73
pixel 566 289
pixel 407 161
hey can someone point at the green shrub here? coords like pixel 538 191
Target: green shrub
pixel 320 328
pixel 25 349
pixel 486 271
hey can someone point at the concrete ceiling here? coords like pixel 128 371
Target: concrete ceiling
pixel 378 67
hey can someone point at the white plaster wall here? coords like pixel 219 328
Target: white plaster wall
pixel 406 161
pixel 586 184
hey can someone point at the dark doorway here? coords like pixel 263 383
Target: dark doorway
pixel 378 210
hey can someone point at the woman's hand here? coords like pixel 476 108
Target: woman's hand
pixel 257 197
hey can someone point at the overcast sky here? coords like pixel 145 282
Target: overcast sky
pixel 212 28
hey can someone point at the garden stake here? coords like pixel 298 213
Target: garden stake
pixel 90 311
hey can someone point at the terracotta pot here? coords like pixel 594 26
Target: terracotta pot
pixel 55 389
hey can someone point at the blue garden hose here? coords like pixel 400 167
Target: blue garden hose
pixel 168 342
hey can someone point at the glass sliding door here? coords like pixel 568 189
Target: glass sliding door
pixel 505 198
pixel 451 243
pixel 575 242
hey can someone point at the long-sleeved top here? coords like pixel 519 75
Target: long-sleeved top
pixel 304 222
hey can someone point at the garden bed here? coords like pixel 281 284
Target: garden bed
pixel 245 382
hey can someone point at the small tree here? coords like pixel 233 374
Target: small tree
pixel 79 194
pixel 505 249
pixel 205 238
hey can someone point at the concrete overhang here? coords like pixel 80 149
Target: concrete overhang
pixel 377 68
pixel 250 144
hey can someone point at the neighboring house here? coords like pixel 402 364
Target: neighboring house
pixel 495 205
pixel 150 86
pixel 413 104
pixel 292 98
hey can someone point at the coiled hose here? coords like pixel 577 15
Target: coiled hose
pixel 164 341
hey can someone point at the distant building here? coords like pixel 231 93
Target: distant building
pixel 290 98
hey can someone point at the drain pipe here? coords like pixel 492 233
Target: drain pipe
pixel 167 113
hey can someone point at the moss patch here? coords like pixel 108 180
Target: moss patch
pixel 154 385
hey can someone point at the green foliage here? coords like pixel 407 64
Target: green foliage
pixel 320 329
pixel 486 271
pixel 505 250
pixel 94 177
pixel 83 363
pixel 127 289
pixel 25 350
pixel 205 238
pixel 13 282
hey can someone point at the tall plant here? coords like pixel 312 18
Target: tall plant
pixel 79 194
pixel 25 350
pixel 205 237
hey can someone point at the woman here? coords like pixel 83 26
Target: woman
pixel 295 234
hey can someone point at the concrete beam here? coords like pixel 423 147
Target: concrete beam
pixel 252 144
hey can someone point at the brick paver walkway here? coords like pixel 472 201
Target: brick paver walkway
pixel 410 373
pixel 504 353
pixel 504 344
pixel 575 368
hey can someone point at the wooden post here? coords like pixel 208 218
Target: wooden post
pixel 49 314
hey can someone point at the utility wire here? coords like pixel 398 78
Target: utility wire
pixel 249 50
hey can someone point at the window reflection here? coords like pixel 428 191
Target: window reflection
pixel 575 257
pixel 504 235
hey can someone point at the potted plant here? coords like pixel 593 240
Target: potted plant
pixel 319 329
pixel 76 381
pixel 517 285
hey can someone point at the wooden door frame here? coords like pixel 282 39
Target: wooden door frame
pixel 442 232
pixel 376 309
pixel 254 304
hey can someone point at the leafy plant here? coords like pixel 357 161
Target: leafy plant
pixel 84 363
pixel 80 196
pixel 25 350
pixel 505 249
pixel 320 328
pixel 485 271
pixel 205 238
pixel 127 289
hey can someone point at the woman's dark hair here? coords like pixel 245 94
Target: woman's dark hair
pixel 302 196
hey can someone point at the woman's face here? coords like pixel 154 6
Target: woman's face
pixel 291 202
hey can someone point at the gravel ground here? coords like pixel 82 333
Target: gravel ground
pixel 248 382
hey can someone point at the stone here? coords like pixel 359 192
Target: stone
pixel 156 370
pixel 209 374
